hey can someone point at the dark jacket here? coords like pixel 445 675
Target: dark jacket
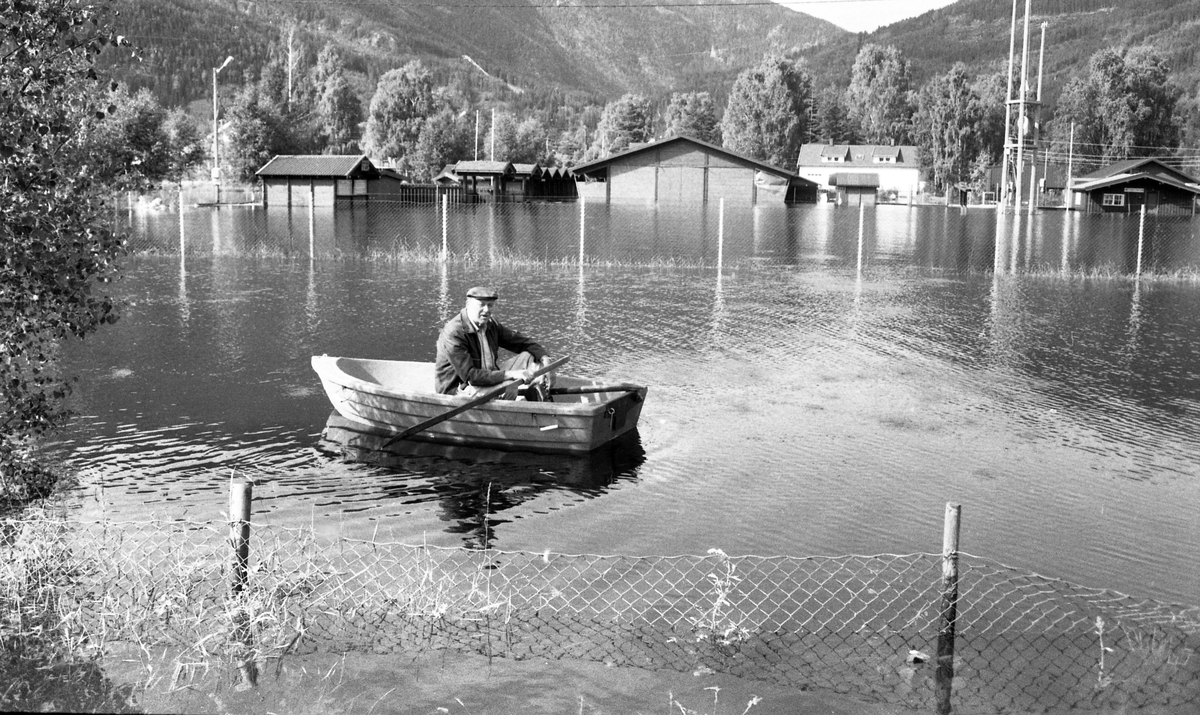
pixel 459 353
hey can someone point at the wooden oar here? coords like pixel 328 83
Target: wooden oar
pixel 490 394
pixel 588 389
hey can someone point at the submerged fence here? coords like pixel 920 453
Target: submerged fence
pixel 863 625
pixel 932 237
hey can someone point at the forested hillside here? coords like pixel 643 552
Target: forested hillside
pixel 977 32
pixel 524 46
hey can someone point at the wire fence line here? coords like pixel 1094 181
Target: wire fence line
pixel 588 232
pixel 863 625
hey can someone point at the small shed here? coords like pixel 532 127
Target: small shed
pixel 485 179
pixel 854 188
pixel 323 179
pixel 1127 186
pixel 684 170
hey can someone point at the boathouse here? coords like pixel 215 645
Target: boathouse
pixel 1127 186
pixel 896 169
pixel 324 179
pixel 683 170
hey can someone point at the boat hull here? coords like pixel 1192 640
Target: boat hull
pixel 391 396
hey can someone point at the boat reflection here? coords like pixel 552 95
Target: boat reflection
pixel 475 487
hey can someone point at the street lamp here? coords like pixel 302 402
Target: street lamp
pixel 216 166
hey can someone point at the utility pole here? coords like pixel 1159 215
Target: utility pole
pixel 1037 125
pixel 1007 165
pixel 1022 113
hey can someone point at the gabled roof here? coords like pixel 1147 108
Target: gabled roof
pixel 523 171
pixel 315 165
pixel 1099 183
pixel 851 178
pixel 817 155
pixel 1145 165
pixel 446 175
pixel 836 150
pixel 483 168
pixel 594 166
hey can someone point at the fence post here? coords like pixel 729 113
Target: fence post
pixel 240 495
pixel 445 228
pixel 582 214
pixel 720 234
pixel 862 208
pixel 1141 237
pixel 945 648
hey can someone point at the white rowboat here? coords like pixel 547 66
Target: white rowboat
pixel 394 395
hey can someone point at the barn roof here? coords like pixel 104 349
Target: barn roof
pixel 593 166
pixel 315 165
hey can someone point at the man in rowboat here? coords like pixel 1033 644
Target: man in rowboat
pixel 467 351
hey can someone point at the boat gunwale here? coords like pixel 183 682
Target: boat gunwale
pixel 327 368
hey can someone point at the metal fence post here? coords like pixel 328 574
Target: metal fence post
pixel 720 234
pixel 240 495
pixel 582 224
pixel 949 610
pixel 1141 237
pixel 445 227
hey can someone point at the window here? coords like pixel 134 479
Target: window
pixel 885 160
pixel 831 158
pixel 1114 200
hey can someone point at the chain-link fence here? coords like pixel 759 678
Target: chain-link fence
pixel 591 232
pixel 865 625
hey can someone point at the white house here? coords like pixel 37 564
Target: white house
pixel 897 168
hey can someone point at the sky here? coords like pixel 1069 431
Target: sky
pixel 863 15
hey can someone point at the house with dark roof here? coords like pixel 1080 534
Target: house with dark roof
pixel 1127 186
pixel 324 179
pixel 897 169
pixel 683 170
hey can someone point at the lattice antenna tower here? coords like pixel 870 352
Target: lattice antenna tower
pixel 1022 116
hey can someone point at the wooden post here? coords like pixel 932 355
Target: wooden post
pixel 1141 237
pixel 862 208
pixel 445 228
pixel 720 234
pixel 582 214
pixel 240 495
pixel 945 648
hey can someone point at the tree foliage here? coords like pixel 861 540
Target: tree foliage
pixel 521 141
pixel 1124 107
pixel 628 120
pixel 56 238
pixel 403 99
pixel 339 111
pixel 833 122
pixel 132 136
pixel 879 96
pixel 187 149
pixel 693 114
pixel 947 125
pixel 766 116
pixel 446 137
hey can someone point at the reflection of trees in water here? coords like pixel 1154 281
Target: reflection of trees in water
pixel 475 487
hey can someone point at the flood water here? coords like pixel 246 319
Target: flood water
pixel 826 390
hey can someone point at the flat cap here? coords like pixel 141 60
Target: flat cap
pixel 482 293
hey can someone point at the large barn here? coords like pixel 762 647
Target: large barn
pixel 683 170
